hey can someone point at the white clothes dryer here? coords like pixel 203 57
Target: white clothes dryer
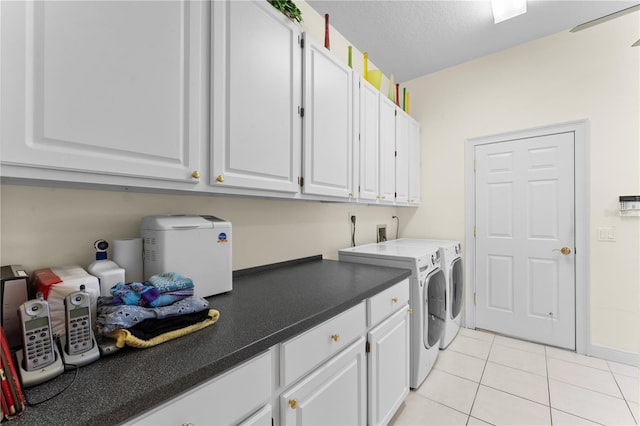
pixel 450 255
pixel 427 298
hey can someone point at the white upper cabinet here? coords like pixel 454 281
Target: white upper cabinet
pixel 387 186
pixel 255 98
pixel 368 141
pixel 402 157
pixel 327 123
pixel 114 88
pixel 414 162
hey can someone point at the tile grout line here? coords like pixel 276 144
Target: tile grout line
pixel 546 364
pixel 624 397
pixel 479 382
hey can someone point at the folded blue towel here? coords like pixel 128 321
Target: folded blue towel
pixel 170 288
pixel 170 281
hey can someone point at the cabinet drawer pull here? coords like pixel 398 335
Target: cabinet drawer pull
pixel 394 299
pixel 220 178
pixel 195 174
pixel 293 403
pixel 335 337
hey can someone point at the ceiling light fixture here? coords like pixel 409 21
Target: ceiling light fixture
pixel 507 9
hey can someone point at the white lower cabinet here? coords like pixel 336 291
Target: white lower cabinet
pixel 388 367
pixel 223 400
pixel 334 394
pixel 352 369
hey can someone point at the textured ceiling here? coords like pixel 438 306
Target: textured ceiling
pixel 414 38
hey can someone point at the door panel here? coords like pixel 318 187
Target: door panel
pixel 525 286
pixel 256 127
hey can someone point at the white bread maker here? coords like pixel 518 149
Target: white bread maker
pixel 196 247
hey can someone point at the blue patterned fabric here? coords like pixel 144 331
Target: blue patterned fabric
pixel 112 317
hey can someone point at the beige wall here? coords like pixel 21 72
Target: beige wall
pixel 591 75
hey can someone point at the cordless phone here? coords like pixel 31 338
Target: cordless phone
pixel 77 307
pixel 37 334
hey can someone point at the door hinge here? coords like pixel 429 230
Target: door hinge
pixel 474 298
pixel 301 111
pixel 474 232
pixel 474 165
pixel 300 180
pixel 367 347
pixel 395 153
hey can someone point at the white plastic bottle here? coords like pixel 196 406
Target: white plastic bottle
pixel 107 271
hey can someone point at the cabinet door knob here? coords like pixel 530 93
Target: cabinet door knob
pixel 195 174
pixel 335 337
pixel 293 403
pixel 220 178
pixel 394 299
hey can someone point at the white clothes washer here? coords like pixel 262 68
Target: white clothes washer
pixel 427 298
pixel 450 256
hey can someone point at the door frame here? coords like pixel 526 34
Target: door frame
pixel 580 129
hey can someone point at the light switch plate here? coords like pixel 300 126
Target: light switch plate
pixel 607 234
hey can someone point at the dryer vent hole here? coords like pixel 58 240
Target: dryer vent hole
pixel 382 233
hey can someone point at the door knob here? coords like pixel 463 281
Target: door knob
pixel 563 250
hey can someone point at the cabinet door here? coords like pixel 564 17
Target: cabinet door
pixel 334 394
pixel 256 94
pixel 387 124
pixel 414 162
pixel 368 141
pixel 402 157
pixel 388 367
pixel 112 87
pixel 328 136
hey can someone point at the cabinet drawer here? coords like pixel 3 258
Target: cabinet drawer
pixel 387 302
pixel 223 400
pixel 309 349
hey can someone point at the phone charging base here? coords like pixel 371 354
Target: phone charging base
pixel 78 360
pixel 40 375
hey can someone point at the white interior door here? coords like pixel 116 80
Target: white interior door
pixel 525 238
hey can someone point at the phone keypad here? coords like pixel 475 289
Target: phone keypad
pixel 39 347
pixel 79 335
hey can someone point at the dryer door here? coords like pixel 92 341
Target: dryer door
pixel 455 281
pixel 434 307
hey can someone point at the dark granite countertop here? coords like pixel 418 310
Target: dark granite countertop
pixel 267 306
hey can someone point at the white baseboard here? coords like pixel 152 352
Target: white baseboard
pixel 616 355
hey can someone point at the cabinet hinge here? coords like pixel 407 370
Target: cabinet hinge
pixel 474 298
pixel 474 165
pixel 301 111
pixel 300 180
pixel 301 43
pixel 395 195
pixel 474 232
pixel 395 153
pixel 395 112
pixel 367 347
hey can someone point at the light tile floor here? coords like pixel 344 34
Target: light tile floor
pixel 482 378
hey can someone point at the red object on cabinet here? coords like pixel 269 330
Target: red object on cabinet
pixel 326 31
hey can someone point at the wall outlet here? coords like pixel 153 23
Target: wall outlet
pixel 381 234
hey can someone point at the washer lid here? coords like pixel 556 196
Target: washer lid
pixel 384 251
